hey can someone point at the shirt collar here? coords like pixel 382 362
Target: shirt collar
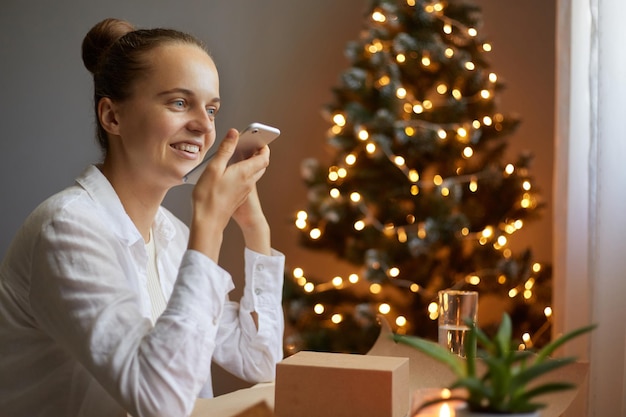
pixel 93 181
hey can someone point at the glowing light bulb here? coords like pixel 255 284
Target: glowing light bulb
pixel 318 308
pixel 363 135
pixel 473 280
pixel 384 80
pixel 355 197
pixel 401 92
pixel 378 16
pixel 359 225
pixel 315 233
pixel 384 308
pixel 473 185
pixel 401 321
pixel 339 119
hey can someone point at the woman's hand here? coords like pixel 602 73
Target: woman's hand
pixel 220 191
pixel 253 224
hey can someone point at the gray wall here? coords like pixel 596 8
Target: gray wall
pixel 278 60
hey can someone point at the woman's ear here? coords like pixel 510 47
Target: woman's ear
pixel 107 115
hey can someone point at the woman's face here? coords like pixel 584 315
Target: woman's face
pixel 168 123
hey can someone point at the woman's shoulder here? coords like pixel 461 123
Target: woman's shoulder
pixel 70 203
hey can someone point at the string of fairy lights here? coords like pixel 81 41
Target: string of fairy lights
pixel 412 122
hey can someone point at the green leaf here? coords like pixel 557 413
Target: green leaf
pixel 470 351
pixel 503 336
pixel 539 368
pixel 476 389
pixel 555 344
pixel 435 351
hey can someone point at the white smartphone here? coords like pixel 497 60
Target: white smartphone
pixel 251 139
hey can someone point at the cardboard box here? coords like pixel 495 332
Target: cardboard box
pixel 316 384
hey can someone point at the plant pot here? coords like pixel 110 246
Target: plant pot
pixel 462 412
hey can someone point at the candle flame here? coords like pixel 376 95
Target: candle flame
pixel 444 411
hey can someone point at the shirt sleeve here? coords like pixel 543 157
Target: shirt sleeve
pixel 246 351
pixel 82 297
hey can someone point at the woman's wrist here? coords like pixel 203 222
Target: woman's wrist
pixel 204 237
pixel 258 237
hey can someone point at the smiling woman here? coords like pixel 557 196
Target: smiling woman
pixel 108 303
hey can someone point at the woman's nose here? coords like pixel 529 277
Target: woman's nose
pixel 201 121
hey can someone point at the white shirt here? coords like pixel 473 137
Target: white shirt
pixel 76 337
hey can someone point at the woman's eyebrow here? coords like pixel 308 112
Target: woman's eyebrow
pixel 183 91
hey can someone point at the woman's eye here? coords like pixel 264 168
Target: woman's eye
pixel 212 112
pixel 179 104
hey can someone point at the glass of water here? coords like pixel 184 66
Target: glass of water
pixel 455 307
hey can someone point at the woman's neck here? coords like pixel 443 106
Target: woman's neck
pixel 141 200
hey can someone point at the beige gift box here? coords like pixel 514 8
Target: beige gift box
pixel 316 384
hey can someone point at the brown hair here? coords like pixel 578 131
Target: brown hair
pixel 113 51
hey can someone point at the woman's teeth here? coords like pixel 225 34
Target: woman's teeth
pixel 186 147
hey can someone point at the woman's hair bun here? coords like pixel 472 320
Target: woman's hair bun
pixel 98 40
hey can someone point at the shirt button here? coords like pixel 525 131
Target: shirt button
pixel 260 267
pixel 257 291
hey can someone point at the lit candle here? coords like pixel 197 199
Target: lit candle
pixel 445 411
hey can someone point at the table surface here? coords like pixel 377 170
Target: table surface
pixel 235 402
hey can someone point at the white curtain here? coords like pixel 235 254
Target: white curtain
pixel 590 196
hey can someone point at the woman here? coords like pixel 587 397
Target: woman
pixel 108 303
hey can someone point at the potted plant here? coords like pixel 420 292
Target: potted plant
pixel 504 388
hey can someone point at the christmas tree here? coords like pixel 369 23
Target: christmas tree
pixel 419 196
